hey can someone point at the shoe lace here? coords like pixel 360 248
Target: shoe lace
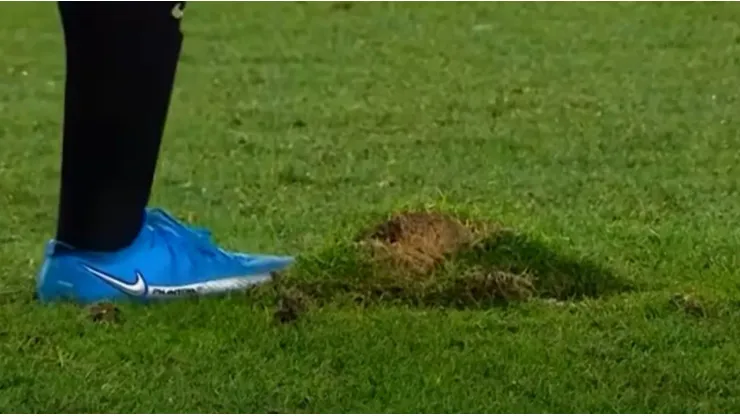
pixel 181 241
pixel 179 224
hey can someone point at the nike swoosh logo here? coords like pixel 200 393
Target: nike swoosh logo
pixel 138 288
pixel 177 11
pixel 141 288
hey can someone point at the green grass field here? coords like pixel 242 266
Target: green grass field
pixel 604 135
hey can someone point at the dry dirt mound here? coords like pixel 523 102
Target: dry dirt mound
pixel 419 241
pixel 438 260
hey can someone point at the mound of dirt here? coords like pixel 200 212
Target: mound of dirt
pixel 419 241
pixel 434 259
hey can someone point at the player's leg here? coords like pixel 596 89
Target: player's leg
pixel 121 59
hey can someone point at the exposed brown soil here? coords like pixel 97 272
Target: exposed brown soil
pixel 291 304
pixel 105 312
pixel 419 241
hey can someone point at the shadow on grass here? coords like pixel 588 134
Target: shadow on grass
pixel 556 275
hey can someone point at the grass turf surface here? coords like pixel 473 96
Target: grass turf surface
pixel 607 133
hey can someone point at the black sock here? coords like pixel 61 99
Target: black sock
pixel 121 62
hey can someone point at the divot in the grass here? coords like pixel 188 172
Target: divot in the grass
pixel 105 312
pixel 291 304
pixel 689 304
pixel 431 259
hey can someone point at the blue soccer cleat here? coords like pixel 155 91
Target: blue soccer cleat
pixel 167 260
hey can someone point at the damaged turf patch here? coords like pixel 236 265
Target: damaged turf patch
pixel 689 304
pixel 105 312
pixel 291 305
pixel 417 242
pixel 438 260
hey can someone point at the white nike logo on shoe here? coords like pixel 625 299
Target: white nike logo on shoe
pixel 177 11
pixel 138 288
pixel 141 288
